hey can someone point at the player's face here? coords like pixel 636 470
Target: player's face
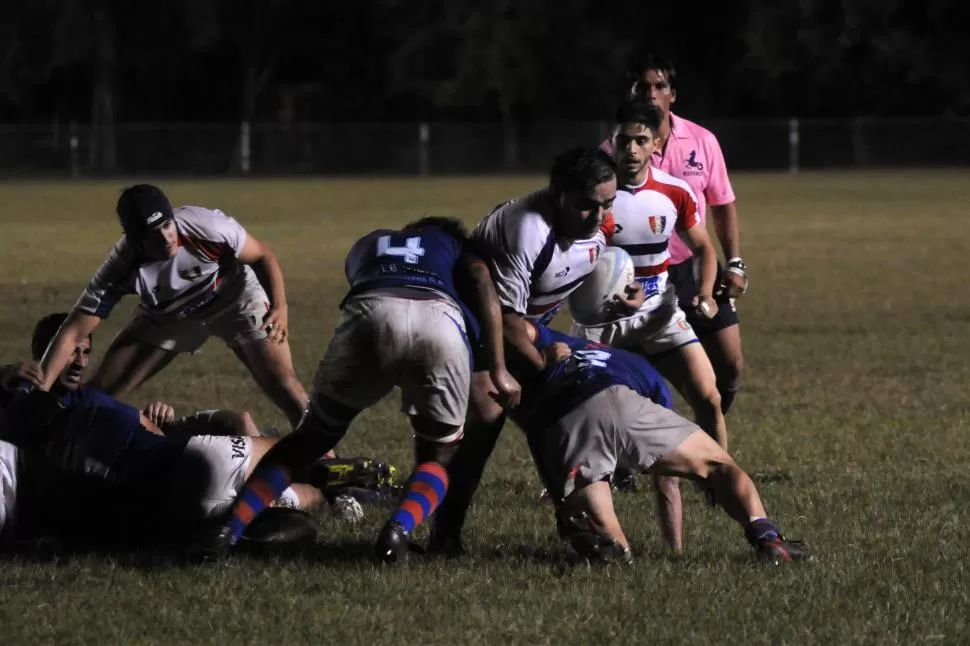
pixel 633 144
pixel 583 213
pixel 71 376
pixel 653 85
pixel 162 242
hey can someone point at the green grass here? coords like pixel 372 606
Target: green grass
pixel 854 417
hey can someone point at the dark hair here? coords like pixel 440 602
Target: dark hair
pixel 580 169
pixel 452 226
pixel 142 207
pixel 640 110
pixel 44 333
pixel 645 60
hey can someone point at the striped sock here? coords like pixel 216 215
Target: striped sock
pixel 426 490
pixel 262 488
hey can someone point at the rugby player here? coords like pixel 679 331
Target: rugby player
pixel 93 472
pixel 419 300
pixel 540 247
pixel 198 273
pixel 596 408
pixel 652 209
pixel 692 153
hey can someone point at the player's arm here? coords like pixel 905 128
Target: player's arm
pixel 727 229
pixel 591 525
pixel 484 302
pixel 114 279
pixel 270 275
pixel 720 195
pixel 78 327
pixel 694 234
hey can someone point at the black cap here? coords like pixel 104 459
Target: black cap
pixel 141 208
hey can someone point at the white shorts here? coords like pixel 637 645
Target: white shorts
pixel 236 317
pixel 211 472
pixel 652 333
pixel 417 344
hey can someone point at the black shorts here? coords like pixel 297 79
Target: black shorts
pixel 685 282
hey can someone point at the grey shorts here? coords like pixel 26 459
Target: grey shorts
pixel 416 344
pixel 617 427
pixel 236 317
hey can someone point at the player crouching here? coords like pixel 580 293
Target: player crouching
pixel 597 408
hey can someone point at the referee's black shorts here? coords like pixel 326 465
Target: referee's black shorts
pixel 685 282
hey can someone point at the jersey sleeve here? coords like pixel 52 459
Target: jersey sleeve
pixel 114 278
pixel 719 190
pixel 506 243
pixel 688 215
pixel 211 232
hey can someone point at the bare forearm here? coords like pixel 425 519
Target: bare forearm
pixel 516 331
pixel 727 229
pixel 270 276
pixel 489 315
pixel 670 512
pixel 708 260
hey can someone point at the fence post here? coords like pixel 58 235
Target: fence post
pixel 793 141
pixel 74 144
pixel 244 148
pixel 424 136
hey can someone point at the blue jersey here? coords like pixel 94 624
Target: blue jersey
pixel 85 397
pixel 423 259
pixel 591 368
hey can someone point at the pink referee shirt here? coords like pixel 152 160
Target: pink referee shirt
pixel 693 154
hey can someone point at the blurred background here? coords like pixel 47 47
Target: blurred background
pixel 418 87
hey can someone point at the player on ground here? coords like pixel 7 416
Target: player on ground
pixel 120 473
pixel 652 209
pixel 158 417
pixel 595 408
pixel 403 323
pixel 540 248
pixel 692 153
pixel 198 274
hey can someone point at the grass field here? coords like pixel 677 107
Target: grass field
pixel 854 418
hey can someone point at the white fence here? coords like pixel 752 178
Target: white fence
pixel 448 148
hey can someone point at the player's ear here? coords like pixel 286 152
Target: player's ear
pixel 673 95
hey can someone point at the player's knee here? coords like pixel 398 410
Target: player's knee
pixel 729 371
pixel 435 441
pixel 482 405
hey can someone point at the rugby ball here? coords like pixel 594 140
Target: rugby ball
pixel 611 275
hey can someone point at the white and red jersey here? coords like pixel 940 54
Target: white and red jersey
pixel 647 217
pixel 8 488
pixel 533 270
pixel 204 265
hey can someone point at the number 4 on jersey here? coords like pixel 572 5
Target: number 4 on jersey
pixel 411 250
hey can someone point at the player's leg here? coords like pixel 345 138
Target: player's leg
pixel 434 394
pixel 700 458
pixel 271 364
pixel 723 347
pixel 353 375
pixel 128 363
pixel 689 370
pixel 483 426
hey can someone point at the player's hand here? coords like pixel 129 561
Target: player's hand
pixel 627 304
pixel 29 371
pixel 556 353
pixel 734 279
pixel 275 323
pixel 159 413
pixel 509 390
pixel 705 306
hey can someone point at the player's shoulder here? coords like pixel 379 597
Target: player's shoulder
pixel 200 220
pixel 673 187
pixel 696 132
pixel 518 226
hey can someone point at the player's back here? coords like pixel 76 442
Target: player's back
pixel 387 259
pixel 591 368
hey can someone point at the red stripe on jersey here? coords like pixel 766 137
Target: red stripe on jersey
pixel 687 215
pixel 652 270
pixel 206 248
